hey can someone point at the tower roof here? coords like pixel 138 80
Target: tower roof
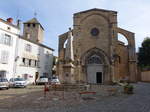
pixel 35 21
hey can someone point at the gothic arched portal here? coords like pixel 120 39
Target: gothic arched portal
pixel 96 64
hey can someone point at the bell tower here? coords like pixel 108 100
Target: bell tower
pixel 33 31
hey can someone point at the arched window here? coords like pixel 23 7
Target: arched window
pixel 94 60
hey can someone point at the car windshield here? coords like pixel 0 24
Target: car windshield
pixel 3 80
pixel 54 77
pixel 42 77
pixel 18 79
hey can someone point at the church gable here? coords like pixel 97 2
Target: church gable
pixel 91 29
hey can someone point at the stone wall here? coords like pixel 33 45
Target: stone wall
pixel 145 76
pixel 122 65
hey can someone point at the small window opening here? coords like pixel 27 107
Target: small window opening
pixel 33 25
pixel 28 25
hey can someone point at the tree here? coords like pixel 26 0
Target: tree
pixel 144 54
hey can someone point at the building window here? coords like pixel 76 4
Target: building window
pixel 6 39
pixel 67 75
pixel 94 60
pixel 29 62
pixel 27 35
pixel 2 74
pixel 23 61
pixel 35 63
pixel 94 31
pixel 8 28
pixel 4 57
pixel 33 25
pixel 28 48
pixel 32 63
pixel 28 25
pixel 47 54
pixel 38 63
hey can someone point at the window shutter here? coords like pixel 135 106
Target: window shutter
pixel 4 57
pixel 11 41
pixel 2 38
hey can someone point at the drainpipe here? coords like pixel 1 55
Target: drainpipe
pixel 16 54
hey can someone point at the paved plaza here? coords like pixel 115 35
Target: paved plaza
pixel 33 100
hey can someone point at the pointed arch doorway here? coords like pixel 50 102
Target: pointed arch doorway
pixel 94 70
pixel 96 66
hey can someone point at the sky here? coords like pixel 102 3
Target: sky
pixel 56 16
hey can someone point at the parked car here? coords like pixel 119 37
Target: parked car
pixel 55 80
pixel 17 82
pixel 4 83
pixel 42 80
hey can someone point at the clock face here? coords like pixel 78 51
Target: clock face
pixel 94 31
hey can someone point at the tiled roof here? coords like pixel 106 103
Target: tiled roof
pixel 35 21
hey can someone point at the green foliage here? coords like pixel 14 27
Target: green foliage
pixel 128 86
pixel 144 54
pixel 128 89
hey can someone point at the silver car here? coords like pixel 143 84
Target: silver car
pixel 42 80
pixel 4 83
pixel 55 80
pixel 17 82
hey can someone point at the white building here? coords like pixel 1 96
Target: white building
pixel 8 36
pixel 28 57
pixel 33 59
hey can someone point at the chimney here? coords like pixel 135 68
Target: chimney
pixel 10 20
pixel 19 23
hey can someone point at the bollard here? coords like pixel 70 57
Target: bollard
pixel 45 89
pixel 63 92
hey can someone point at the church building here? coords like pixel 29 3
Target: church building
pixel 91 52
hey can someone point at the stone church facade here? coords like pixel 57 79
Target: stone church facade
pixel 91 52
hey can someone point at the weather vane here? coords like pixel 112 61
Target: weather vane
pixel 35 14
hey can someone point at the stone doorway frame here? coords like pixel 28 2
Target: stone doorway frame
pixel 105 59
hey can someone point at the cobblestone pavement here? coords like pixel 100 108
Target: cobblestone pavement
pixel 34 101
pixel 18 91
